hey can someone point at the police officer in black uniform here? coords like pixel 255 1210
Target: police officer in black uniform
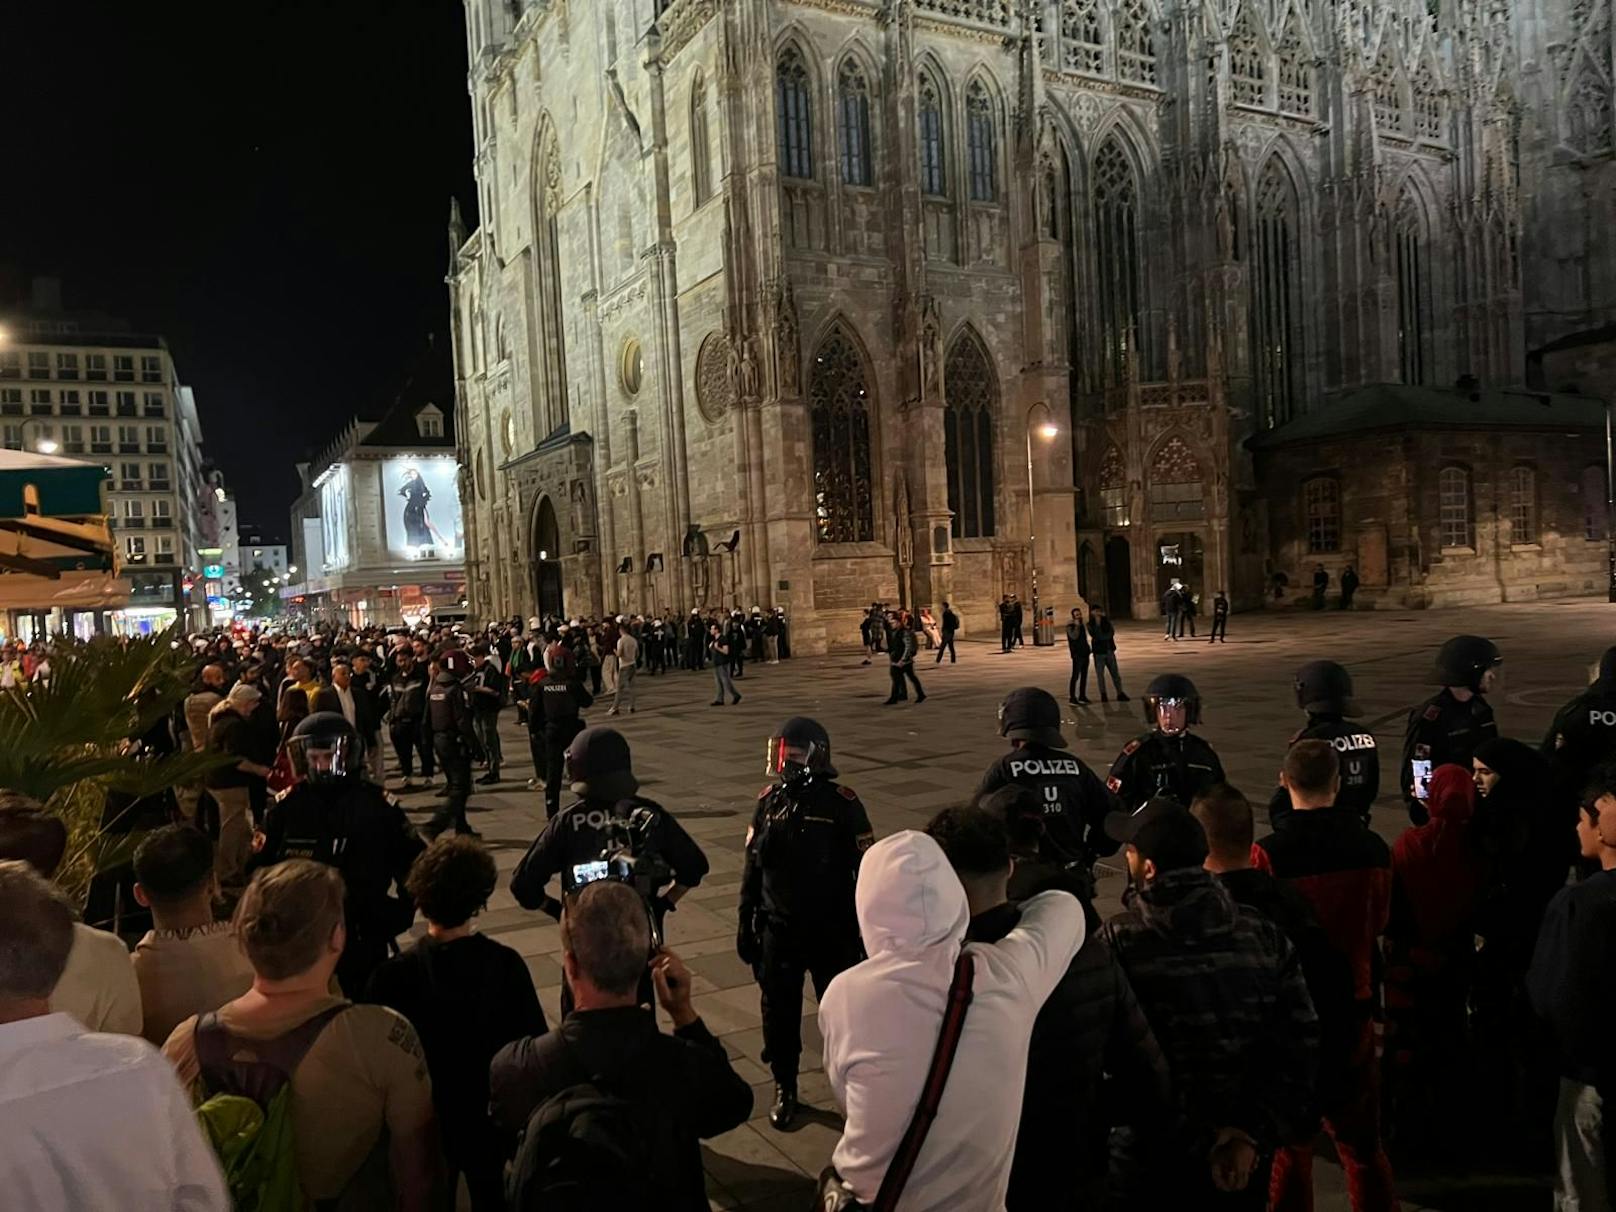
pixel 796 909
pixel 448 721
pixel 333 816
pixel 1324 691
pixel 1449 725
pixel 561 696
pixel 1169 759
pixel 1073 800
pixel 1583 734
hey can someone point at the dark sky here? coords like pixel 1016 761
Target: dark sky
pixel 266 185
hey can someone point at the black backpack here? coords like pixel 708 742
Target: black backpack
pixel 590 1146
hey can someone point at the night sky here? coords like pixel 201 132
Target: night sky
pixel 266 185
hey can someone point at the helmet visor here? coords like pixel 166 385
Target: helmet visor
pixel 784 754
pixel 1172 715
pixel 323 758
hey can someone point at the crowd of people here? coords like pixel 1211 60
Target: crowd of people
pixel 989 1040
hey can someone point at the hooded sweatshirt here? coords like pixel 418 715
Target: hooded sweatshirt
pixel 881 1019
pixel 1438 869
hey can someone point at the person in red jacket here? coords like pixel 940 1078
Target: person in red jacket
pixel 1328 855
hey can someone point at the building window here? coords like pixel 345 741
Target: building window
pixel 73 439
pixel 129 475
pixel 1136 46
pixel 156 439
pixel 12 435
pixel 134 509
pixel 839 412
pixel 981 143
pixel 1177 491
pixel 151 369
pixel 1388 86
pixel 1116 252
pixel 1413 288
pixel 933 162
pixel 1594 504
pixel 135 545
pixel 154 404
pixel 98 404
pixel 1427 106
pixel 1522 505
pixel 795 101
pixel 970 409
pixel 157 473
pixel 853 125
pixel 161 507
pixel 70 402
pixel 95 367
pixel 67 366
pixel 1454 512
pixel 123 368
pixel 39 401
pixel 101 439
pixel 128 439
pixel 1278 328
pixel 430 425
pixel 1295 71
pixel 701 178
pixel 1082 44
pixel 10 364
pixel 165 549
pixel 1248 61
pixel 126 403
pixel 1113 489
pixel 38 364
pixel 1321 497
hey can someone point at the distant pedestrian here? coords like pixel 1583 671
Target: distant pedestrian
pixel 1321 585
pixel 951 624
pixel 718 648
pixel 1220 618
pixel 1077 647
pixel 1006 632
pixel 1186 614
pixel 1171 603
pixel 1017 618
pixel 1349 586
pixel 902 646
pixel 1103 643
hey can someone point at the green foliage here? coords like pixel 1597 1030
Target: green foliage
pixel 65 741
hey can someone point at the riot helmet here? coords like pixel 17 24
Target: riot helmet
pixel 1172 704
pixel 598 765
pixel 1465 661
pixel 1031 714
pixel 1606 676
pixel 324 749
pixel 800 746
pixel 1325 688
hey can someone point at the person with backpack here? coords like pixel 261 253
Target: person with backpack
pixel 613 1109
pixel 327 1076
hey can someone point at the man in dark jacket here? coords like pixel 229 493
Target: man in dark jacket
pixel 1324 691
pixel 1572 988
pixel 1222 988
pixel 1172 605
pixel 901 649
pixel 1321 586
pixel 406 718
pixel 1449 725
pixel 448 720
pixel 1090 1030
pixel 556 707
pixel 682 1084
pixel 488 688
pixel 1328 855
pixel 1583 735
pixel 1077 647
pixel 1103 642
pixel 951 624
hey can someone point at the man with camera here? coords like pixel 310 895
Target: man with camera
pixel 796 912
pixel 613 1110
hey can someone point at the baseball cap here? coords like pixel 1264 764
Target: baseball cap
pixel 1031 714
pixel 1162 831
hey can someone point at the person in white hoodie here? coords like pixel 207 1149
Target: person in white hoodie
pixel 880 1020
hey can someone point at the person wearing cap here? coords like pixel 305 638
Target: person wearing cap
pixel 1582 737
pixel 1449 725
pixel 1222 988
pixel 231 785
pixel 1075 802
pixel 1169 759
pixel 797 919
pixel 1324 691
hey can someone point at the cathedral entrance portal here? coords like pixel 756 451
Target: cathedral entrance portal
pixel 1181 557
pixel 546 560
pixel 1118 578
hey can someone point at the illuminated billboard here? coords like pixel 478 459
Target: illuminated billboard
pixel 334 493
pixel 421 505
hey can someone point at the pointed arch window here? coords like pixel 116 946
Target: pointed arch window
pixel 794 101
pixel 853 125
pixel 1427 106
pixel 1388 90
pixel 971 403
pixel 981 143
pixel 1454 507
pixel 701 178
pixel 1277 305
pixel 1413 288
pixel 933 165
pixel 1082 44
pixel 1588 112
pixel 1136 45
pixel 1113 488
pixel 553 341
pixel 1177 490
pixel 839 415
pixel 1116 251
pixel 1295 71
pixel 1248 61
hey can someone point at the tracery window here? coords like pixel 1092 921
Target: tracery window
pixel 1453 504
pixel 1113 488
pixel 1136 45
pixel 1427 106
pixel 853 122
pixel 981 143
pixel 1388 87
pixel 1083 45
pixel 839 414
pixel 1321 499
pixel 1177 491
pixel 1413 288
pixel 1588 112
pixel 701 179
pixel 794 100
pixel 933 165
pixel 1522 505
pixel 1248 61
pixel 1277 305
pixel 1295 71
pixel 971 403
pixel 1116 252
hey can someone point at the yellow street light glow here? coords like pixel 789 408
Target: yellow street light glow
pixel 1048 429
pixel 46 446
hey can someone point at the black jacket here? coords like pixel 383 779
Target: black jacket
pixel 1181 766
pixel 1077 642
pixel 560 701
pixel 1075 801
pixel 1581 738
pixel 447 712
pixel 1102 636
pixel 803 849
pixel 580 832
pixel 1442 730
pixel 406 697
pixel 686 1076
pixel 1572 982
pixel 1354 745
pixel 1093 1063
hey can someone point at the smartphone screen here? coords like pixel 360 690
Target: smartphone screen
pixel 1422 778
pixel 588 873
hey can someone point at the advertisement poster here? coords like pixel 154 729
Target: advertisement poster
pixel 421 504
pixel 334 518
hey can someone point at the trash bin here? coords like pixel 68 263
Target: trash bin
pixel 1043 627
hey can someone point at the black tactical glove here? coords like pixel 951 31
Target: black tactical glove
pixel 748 945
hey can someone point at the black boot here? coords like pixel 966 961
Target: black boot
pixel 784 1111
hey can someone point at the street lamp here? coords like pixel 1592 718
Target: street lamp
pixel 1046 431
pixel 46 446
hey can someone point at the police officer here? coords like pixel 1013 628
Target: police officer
pixel 448 720
pixel 796 909
pixel 1449 725
pixel 1073 800
pixel 1324 691
pixel 610 813
pixel 334 816
pixel 561 696
pixel 1169 759
pixel 1583 734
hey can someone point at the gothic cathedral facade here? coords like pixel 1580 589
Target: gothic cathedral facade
pixel 821 303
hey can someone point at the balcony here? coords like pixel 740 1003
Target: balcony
pixel 123 376
pixel 39 410
pixel 126 410
pixel 155 410
pixel 128 447
pixel 73 447
pixel 72 410
pixel 70 372
pixel 100 447
pixel 162 523
pixel 96 376
pixel 11 409
pixel 128 485
pixel 132 524
pixel 157 447
pixel 159 486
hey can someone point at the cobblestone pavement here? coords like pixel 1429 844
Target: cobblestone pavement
pixel 907 761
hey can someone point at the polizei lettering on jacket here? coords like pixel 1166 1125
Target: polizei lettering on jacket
pixel 1358 740
pixel 1045 766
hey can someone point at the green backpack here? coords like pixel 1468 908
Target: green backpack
pixel 247 1114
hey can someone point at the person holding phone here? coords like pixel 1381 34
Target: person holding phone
pixel 1449 725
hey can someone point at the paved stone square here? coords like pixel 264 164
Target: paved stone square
pixel 907 761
